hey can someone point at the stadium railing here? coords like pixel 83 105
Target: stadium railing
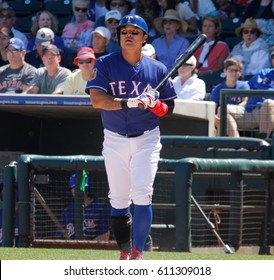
pixel 225 94
pixel 173 187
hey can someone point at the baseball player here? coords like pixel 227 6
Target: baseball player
pixel 122 86
pixel 96 224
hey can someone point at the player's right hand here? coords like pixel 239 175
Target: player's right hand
pixel 149 98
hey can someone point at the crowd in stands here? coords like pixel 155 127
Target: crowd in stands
pixel 47 55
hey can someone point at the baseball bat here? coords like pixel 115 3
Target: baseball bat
pixel 43 203
pixel 196 44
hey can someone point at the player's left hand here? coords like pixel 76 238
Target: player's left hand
pixel 149 98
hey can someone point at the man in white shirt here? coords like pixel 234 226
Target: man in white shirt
pixel 187 85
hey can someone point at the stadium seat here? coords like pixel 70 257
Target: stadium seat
pixel 232 41
pixel 229 25
pixel 23 7
pixel 24 23
pixel 62 8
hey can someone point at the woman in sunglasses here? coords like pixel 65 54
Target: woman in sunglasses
pixel 76 82
pixel 72 31
pixel 253 52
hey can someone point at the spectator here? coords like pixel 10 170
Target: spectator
pixel 16 76
pixel 100 8
pixel 170 45
pixel 74 33
pixel 123 6
pixel 148 10
pixel 45 37
pixel 47 19
pixel 226 9
pixel 187 85
pixel 112 19
pixel 203 8
pixel 5 35
pixel 212 54
pixel 259 9
pixel 77 81
pixel 258 111
pixel 252 51
pixel 184 11
pixel 8 19
pixel 100 39
pixel 51 78
pixel 96 223
pixel 233 71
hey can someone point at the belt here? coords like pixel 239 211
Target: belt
pixel 131 135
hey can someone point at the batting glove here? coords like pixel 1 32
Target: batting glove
pixel 133 102
pixel 149 98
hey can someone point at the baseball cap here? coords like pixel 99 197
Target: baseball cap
pixel 44 36
pixel 148 50
pixel 7 8
pixel 72 181
pixel 51 48
pixel 103 31
pixel 7 32
pixel 113 14
pixel 16 43
pixel 84 53
pixel 191 61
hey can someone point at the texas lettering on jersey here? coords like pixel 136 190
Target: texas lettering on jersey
pixel 121 88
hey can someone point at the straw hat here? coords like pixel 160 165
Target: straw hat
pixel 170 15
pixel 249 23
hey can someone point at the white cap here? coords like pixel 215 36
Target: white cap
pixel 103 31
pixel 113 14
pixel 44 36
pixel 148 50
pixel 191 61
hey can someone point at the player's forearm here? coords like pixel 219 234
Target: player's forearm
pixel 100 100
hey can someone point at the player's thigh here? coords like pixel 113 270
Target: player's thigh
pixel 144 165
pixel 117 155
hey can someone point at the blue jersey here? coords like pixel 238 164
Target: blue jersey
pixel 263 80
pixel 96 221
pixel 115 76
pixel 215 96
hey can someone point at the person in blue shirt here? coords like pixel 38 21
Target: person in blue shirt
pixel 171 44
pixel 233 71
pixel 96 223
pixel 258 111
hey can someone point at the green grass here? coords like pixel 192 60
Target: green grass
pixel 88 254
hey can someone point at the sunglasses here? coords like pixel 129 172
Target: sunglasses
pixel 249 31
pixel 84 61
pixel 112 20
pixel 117 4
pixel 83 10
pixel 12 50
pixel 171 21
pixel 131 32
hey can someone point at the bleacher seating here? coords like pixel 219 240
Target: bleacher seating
pixel 60 9
pixel 24 8
pixel 24 23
